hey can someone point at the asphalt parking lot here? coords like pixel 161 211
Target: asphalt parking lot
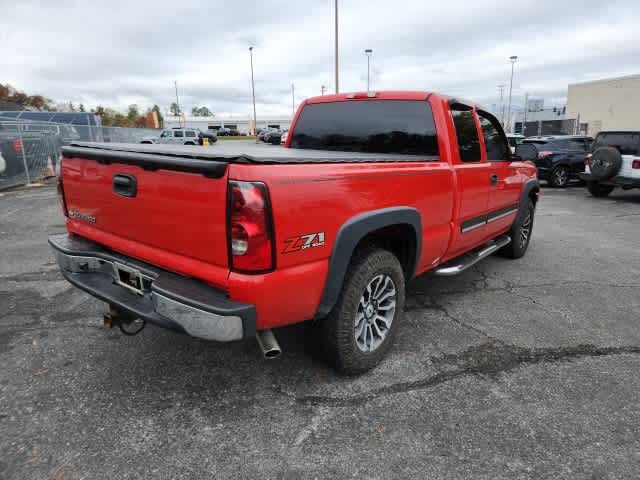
pixel 515 369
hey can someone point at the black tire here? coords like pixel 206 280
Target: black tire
pixel 189 143
pixel 605 163
pixel 598 190
pixel 559 176
pixel 339 327
pixel 524 223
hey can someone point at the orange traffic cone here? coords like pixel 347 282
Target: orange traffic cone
pixel 49 172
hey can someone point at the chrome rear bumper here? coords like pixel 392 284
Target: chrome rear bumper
pixel 160 297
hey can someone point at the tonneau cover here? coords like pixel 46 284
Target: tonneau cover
pixel 238 151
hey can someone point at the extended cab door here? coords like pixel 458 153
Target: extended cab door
pixel 505 183
pixel 472 173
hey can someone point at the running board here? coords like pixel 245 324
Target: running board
pixel 461 263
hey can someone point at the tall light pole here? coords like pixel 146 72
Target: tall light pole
pixel 175 83
pixel 322 89
pixel 513 59
pixel 253 93
pixel 293 99
pixel 336 47
pixel 368 53
pixel 501 88
pixel 526 109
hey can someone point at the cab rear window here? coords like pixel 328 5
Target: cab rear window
pixel 368 126
pixel 626 143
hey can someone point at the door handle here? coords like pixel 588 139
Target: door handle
pixel 493 179
pixel 125 185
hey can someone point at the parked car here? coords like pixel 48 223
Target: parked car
pixel 514 140
pixel 375 189
pixel 560 157
pixel 283 137
pixel 176 136
pixel 263 133
pixel 224 132
pixel 209 135
pixel 615 162
pixel 273 137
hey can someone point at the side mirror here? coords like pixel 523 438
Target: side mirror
pixel 526 151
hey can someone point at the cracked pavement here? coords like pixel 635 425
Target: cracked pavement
pixel 514 369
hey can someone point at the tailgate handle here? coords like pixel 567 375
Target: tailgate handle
pixel 125 185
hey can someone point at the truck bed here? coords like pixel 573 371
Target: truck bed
pixel 234 152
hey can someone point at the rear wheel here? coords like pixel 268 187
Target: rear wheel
pixel 598 190
pixel 360 329
pixel 559 177
pixel 520 233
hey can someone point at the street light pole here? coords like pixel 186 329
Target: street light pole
pixel 501 88
pixel 175 83
pixel 336 45
pixel 368 53
pixel 253 93
pixel 322 89
pixel 513 59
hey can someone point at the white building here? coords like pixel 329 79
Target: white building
pixel 612 103
pixel 242 123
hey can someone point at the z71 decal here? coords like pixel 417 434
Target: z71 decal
pixel 310 240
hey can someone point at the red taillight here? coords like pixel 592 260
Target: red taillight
pixel 17 145
pixel 250 229
pixel 544 153
pixel 60 188
pixel 636 163
pixel 587 159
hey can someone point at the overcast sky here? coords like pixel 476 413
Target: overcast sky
pixel 116 53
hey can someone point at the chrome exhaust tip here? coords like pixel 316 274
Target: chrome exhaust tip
pixel 268 344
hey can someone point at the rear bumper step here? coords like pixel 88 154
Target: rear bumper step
pixel 160 297
pixel 463 262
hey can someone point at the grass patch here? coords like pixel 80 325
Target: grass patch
pixel 224 139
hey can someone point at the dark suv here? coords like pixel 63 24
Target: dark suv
pixel 560 157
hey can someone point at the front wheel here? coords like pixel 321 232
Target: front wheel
pixel 520 233
pixel 598 190
pixel 360 329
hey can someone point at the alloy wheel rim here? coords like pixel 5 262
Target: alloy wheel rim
pixel 561 176
pixel 525 230
pixel 375 312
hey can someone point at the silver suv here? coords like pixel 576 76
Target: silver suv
pixel 176 136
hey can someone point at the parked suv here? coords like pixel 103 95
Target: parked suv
pixel 176 136
pixel 615 162
pixel 560 157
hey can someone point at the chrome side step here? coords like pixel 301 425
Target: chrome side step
pixel 461 263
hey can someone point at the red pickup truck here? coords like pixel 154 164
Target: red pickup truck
pixel 227 242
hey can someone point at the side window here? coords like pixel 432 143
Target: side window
pixel 166 133
pixel 577 145
pixel 467 133
pixel 178 133
pixel 189 133
pixel 558 145
pixel 497 148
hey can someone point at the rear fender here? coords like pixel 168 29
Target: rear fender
pixel 348 238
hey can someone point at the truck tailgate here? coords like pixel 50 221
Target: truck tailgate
pixel 174 212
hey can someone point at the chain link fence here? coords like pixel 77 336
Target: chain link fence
pixel 29 150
